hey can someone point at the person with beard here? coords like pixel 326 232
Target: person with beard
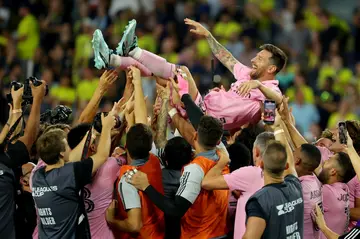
pixel 335 173
pixel 235 107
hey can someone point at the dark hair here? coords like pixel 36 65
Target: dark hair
pixel 248 136
pixel 139 141
pixel 177 153
pixel 275 158
pixel 209 132
pixel 278 57
pixel 347 169
pixel 50 145
pixel 77 134
pixel 240 156
pixel 312 156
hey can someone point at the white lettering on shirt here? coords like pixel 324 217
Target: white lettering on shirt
pixel 288 207
pixel 39 191
pixel 44 214
pixel 291 231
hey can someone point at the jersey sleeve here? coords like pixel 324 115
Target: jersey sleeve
pixel 129 195
pixel 239 179
pixel 254 209
pixel 241 72
pixel 190 182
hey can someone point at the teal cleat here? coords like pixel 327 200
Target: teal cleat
pixel 101 50
pixel 128 41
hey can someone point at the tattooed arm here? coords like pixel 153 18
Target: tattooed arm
pixel 223 55
pixel 161 126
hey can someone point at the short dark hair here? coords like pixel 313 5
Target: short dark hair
pixel 347 169
pixel 275 158
pixel 77 134
pixel 177 153
pixel 209 132
pixel 240 156
pixel 278 57
pixel 50 145
pixel 248 136
pixel 139 141
pixel 312 156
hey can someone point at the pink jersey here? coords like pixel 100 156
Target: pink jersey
pixel 98 196
pixel 354 193
pixel 234 110
pixel 248 180
pixel 311 188
pixel 336 207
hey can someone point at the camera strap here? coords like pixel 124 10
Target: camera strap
pixel 12 130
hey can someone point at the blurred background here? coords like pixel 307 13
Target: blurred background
pixel 51 39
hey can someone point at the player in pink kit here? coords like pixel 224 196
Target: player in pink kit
pixel 235 107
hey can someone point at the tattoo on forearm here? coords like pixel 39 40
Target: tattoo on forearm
pixel 223 55
pixel 160 136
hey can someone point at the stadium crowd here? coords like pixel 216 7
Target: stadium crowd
pixel 179 119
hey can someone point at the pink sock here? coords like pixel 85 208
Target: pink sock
pixel 125 62
pixel 156 64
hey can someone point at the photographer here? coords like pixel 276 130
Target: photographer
pixel 13 156
pixel 56 186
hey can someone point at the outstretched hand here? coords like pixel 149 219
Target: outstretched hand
pixel 198 29
pixel 107 79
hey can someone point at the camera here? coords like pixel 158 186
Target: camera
pixel 59 115
pixel 27 95
pixel 98 124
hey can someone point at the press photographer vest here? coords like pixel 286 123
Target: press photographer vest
pixel 59 205
pixel 283 207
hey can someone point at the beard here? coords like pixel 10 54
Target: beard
pixel 256 73
pixel 323 176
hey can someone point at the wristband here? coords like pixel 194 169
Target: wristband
pixel 16 111
pixel 172 112
pixel 278 131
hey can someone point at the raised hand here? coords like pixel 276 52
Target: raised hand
pixel 223 157
pixel 108 121
pixel 136 75
pixel 107 79
pixel 17 96
pixel 198 29
pixel 38 92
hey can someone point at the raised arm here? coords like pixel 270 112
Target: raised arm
pixel 161 126
pixel 103 150
pixel 354 157
pixel 280 136
pixel 223 55
pixel 106 81
pixel 14 113
pixel 140 110
pixel 286 116
pixel 32 128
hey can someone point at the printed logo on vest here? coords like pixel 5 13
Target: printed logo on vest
pixel 288 207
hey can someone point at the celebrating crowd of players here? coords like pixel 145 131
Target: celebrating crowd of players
pixel 182 173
